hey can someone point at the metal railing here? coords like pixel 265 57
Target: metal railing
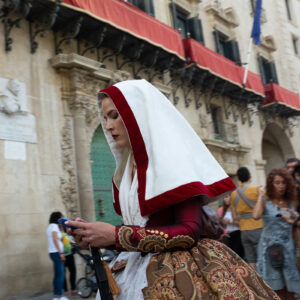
pixel 225 132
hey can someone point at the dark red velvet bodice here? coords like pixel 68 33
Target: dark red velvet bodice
pixel 178 227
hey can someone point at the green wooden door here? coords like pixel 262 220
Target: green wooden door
pixel 103 166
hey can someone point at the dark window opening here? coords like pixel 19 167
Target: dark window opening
pixel 188 27
pixel 144 5
pixel 253 5
pixel 216 116
pixel 288 9
pixel 267 70
pixel 295 45
pixel 226 47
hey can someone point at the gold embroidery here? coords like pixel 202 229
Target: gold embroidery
pixel 180 241
pixel 152 243
pixel 142 232
pixel 124 238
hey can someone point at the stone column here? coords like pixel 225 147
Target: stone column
pixel 82 155
pixel 260 171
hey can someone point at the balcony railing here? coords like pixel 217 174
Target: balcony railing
pixel 224 132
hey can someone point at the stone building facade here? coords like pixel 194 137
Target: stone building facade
pixel 56 56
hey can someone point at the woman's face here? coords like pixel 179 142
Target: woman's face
pixel 279 185
pixel 114 124
pixel 226 200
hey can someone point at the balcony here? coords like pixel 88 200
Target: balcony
pixel 225 132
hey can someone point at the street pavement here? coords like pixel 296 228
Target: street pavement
pixel 50 297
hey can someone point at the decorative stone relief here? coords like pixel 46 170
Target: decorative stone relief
pixel 227 16
pixel 203 121
pixel 68 182
pixel 17 124
pixel 119 76
pixel 269 43
pixel 92 112
pixel 11 96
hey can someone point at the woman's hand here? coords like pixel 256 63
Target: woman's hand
pixel 96 234
pixel 259 207
pixel 284 216
pixel 62 257
pixel 261 191
pixel 225 221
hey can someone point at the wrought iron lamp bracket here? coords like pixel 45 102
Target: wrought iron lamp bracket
pixel 137 51
pixel 197 94
pixel 93 46
pixel 69 33
pixel 209 94
pixel 175 84
pixel 118 49
pixel 8 23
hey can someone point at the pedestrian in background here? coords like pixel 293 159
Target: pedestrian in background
pixel 296 176
pixel 231 226
pixel 56 252
pixel 291 163
pixel 276 254
pixel 242 202
pixel 69 264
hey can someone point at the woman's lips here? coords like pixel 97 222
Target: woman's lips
pixel 115 136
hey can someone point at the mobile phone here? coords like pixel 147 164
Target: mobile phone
pixel 63 221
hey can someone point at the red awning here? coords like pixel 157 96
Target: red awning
pixel 275 93
pixel 126 17
pixel 221 66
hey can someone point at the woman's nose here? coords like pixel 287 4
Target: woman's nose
pixel 108 125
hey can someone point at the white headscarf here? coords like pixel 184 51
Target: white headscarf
pixel 173 164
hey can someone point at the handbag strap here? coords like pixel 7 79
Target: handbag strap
pixel 101 277
pixel 241 195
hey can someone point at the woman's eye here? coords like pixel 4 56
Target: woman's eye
pixel 114 115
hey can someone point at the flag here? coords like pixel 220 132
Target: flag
pixel 255 34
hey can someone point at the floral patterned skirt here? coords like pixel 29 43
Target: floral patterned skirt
pixel 210 270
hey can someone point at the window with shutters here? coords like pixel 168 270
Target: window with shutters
pixel 144 5
pixel 188 27
pixel 267 70
pixel 226 47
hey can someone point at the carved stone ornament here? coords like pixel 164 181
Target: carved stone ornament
pixel 203 121
pixel 68 182
pixel 92 112
pixel 226 16
pixel 269 43
pixel 10 102
pixel 119 76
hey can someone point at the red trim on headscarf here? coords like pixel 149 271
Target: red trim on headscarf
pixel 116 199
pixel 135 137
pixel 170 197
pixel 186 191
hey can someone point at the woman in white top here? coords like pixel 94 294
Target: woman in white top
pixel 56 252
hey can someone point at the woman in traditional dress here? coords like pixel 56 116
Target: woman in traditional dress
pixel 276 261
pixel 164 175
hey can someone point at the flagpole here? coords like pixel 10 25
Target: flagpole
pixel 247 62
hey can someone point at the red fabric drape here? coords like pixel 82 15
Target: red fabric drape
pixel 221 66
pixel 128 18
pixel 274 92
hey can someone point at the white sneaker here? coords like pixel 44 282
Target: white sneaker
pixel 63 298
